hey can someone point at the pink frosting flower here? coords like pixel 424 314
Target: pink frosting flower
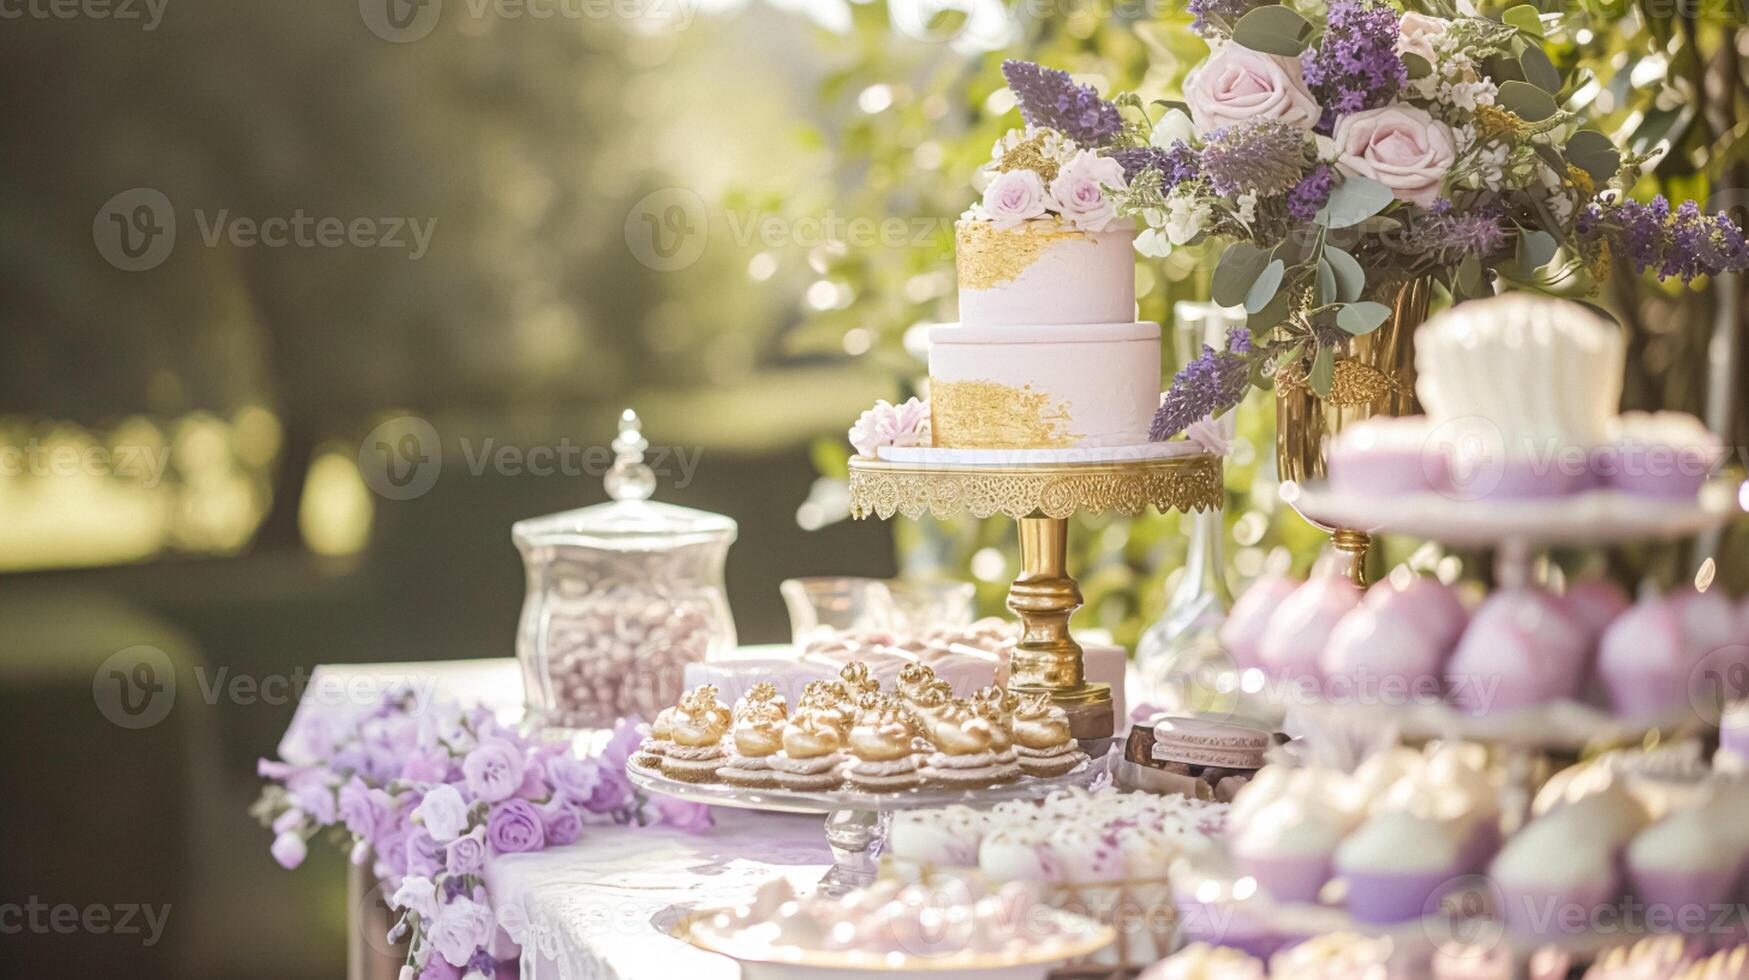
pixel 459 928
pixel 1239 85
pixel 887 424
pixel 1079 190
pixel 1401 147
pixel 1013 197
pixel 494 770
pixel 1418 34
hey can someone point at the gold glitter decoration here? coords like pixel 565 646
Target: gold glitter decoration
pixel 986 258
pixel 1352 383
pixel 987 415
pixel 1183 483
pixel 1029 154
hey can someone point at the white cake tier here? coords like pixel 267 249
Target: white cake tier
pixel 1539 374
pixel 1043 386
pixel 1043 272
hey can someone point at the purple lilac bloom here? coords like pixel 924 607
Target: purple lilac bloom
pixel 1209 385
pixel 1355 66
pixel 483 964
pixel 1175 165
pixel 1308 196
pixel 1217 16
pixel 1261 157
pixel 1050 98
pixel 1685 244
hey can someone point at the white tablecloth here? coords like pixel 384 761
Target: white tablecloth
pixel 589 908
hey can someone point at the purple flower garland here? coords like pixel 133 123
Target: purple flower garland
pixel 428 792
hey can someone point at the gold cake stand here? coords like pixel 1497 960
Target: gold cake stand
pixel 1042 498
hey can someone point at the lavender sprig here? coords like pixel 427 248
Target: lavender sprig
pixel 1686 243
pixel 1260 157
pixel 1209 385
pixel 1050 98
pixel 1355 67
pixel 1175 165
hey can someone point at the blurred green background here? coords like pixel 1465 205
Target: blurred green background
pixel 727 215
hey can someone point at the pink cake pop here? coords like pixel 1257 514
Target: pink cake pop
pixel 1243 631
pixel 1430 603
pixel 1644 662
pixel 1302 624
pixel 1521 649
pixel 1377 652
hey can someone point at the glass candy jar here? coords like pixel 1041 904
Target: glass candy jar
pixel 621 597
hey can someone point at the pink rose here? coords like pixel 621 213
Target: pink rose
pixel 1013 197
pixel 887 424
pixel 1399 146
pixel 1418 34
pixel 1079 190
pixel 1239 85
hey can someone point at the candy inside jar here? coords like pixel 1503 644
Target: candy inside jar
pixel 621 597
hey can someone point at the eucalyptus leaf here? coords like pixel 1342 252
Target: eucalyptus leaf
pixel 1532 104
pixel 1238 268
pixel 1361 319
pixel 1418 66
pixel 1592 152
pixel 1273 29
pixel 1325 292
pixel 1263 290
pixel 1353 201
pixel 1274 315
pixel 1350 277
pixel 1539 70
pixel 1535 249
pixel 1525 18
pixel 1323 372
pixel 1469 278
pixel 1502 68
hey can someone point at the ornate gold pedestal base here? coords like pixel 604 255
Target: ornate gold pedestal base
pixel 1353 546
pixel 1041 497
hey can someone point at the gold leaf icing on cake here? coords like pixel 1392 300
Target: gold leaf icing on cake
pixel 986 257
pixel 987 415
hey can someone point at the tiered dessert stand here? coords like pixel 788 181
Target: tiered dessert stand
pixel 1532 744
pixel 1041 490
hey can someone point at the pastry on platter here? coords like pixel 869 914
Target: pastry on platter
pixel 965 753
pixel 996 707
pixel 883 758
pixel 757 735
pixel 700 721
pixel 1042 743
pixel 812 755
pixel 656 744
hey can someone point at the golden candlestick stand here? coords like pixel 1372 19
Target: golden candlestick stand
pixel 1041 497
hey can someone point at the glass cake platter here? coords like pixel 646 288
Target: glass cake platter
pixel 856 820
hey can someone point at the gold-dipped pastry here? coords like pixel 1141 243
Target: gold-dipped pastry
pixel 857 680
pixel 883 759
pixel 1043 744
pixel 656 744
pixel 914 677
pixel 761 696
pixel 811 756
pixel 699 723
pixel 965 753
pixel 760 718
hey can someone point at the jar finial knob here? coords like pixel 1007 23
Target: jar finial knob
pixel 630 478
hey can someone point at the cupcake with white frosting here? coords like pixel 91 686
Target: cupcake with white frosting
pixel 1683 868
pixel 1566 859
pixel 1287 847
pixel 1395 866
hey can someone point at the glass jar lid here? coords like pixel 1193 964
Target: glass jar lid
pixel 631 521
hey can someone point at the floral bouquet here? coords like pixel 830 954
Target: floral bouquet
pixel 1344 153
pixel 426 792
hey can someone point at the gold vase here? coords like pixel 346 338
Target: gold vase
pixel 1375 375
